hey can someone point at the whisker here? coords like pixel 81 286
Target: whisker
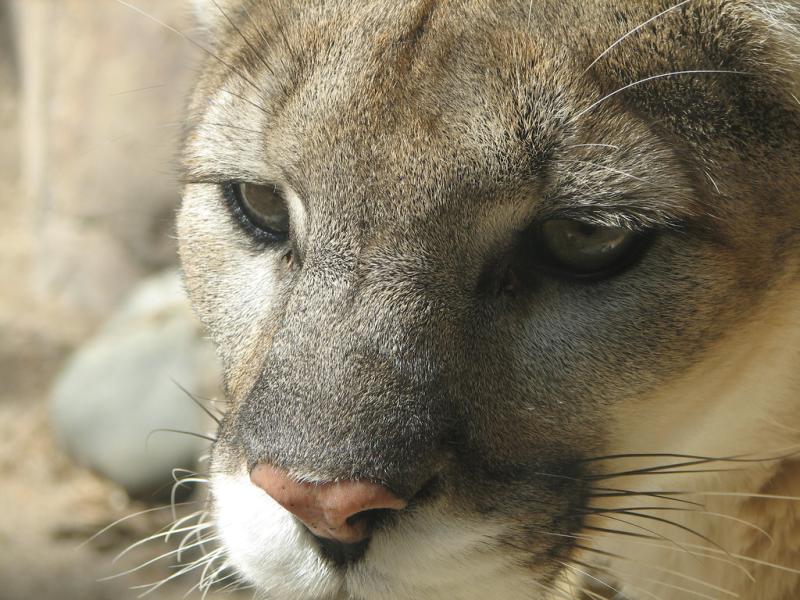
pixel 630 587
pixel 657 471
pixel 623 532
pixel 749 559
pixel 137 90
pixel 264 40
pixel 205 584
pixel 178 524
pixel 235 128
pixel 661 570
pixel 194 43
pixel 696 552
pixel 183 571
pixel 633 31
pixel 592 577
pixel 612 146
pixel 641 527
pixel 785 453
pixel 605 168
pixel 189 394
pixel 282 33
pixel 632 511
pixel 234 586
pixel 192 478
pixel 670 523
pixel 646 579
pixel 152 561
pixel 612 493
pixel 592 595
pixel 201 436
pixel 196 534
pixel 256 105
pixel 649 79
pixel 165 535
pixel 128 518
pixel 253 49
pixel 744 495
pixel 695 461
pixel 713 182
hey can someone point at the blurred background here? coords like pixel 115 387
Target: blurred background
pixel 99 352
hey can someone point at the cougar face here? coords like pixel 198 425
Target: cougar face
pixel 506 294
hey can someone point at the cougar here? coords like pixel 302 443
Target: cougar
pixel 506 294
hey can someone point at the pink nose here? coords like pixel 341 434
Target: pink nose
pixel 338 510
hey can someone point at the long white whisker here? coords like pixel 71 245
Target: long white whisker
pixel 650 580
pixel 128 518
pixel 633 31
pixel 194 43
pixel 165 535
pixel 212 579
pixel 196 534
pixel 633 512
pixel 666 571
pixel 743 495
pixel 749 559
pixel 654 544
pixel 186 569
pixel 611 146
pixel 605 168
pixel 179 523
pixel 592 595
pixel 592 577
pixel 653 78
pixel 154 560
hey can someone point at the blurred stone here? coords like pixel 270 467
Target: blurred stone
pixel 125 384
pixel 91 95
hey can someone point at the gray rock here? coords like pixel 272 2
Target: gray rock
pixel 126 383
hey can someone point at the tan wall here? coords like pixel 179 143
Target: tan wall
pixel 87 167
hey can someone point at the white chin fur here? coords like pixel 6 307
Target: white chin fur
pixel 268 546
pixel 428 556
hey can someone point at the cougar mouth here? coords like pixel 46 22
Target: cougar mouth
pixel 346 554
pixel 340 554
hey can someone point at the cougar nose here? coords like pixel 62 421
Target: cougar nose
pixel 341 510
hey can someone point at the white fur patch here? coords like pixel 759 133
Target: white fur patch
pixel 429 555
pixel 268 546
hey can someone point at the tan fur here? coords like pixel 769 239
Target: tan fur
pixel 406 334
pixel 740 401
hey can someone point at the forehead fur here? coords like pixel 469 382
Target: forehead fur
pixel 435 90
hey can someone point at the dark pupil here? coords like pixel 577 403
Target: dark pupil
pixel 583 247
pixel 266 207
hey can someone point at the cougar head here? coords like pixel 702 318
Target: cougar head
pixel 462 258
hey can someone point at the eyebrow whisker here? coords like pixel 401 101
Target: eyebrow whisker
pixel 633 31
pixel 653 78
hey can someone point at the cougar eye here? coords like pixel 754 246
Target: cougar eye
pixel 264 207
pixel 586 250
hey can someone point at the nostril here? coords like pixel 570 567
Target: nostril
pixel 370 517
pixel 344 511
